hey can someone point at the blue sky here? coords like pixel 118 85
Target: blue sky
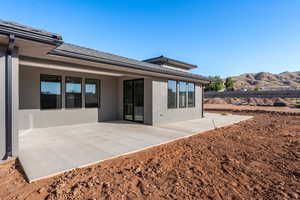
pixel 223 37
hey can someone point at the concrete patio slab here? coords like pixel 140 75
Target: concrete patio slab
pixel 50 151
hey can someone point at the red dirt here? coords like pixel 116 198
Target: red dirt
pixel 255 159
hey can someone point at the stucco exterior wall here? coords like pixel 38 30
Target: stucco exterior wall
pixel 15 102
pixel 111 101
pixel 147 98
pixel 30 115
pixel 161 113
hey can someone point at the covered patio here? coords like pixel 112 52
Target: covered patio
pixel 46 152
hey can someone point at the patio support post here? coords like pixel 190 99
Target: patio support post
pixel 2 103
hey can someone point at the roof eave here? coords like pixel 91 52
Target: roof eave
pixel 29 35
pixel 57 52
pixel 166 60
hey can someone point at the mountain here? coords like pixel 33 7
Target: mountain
pixel 263 79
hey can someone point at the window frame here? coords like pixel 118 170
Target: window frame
pixel 176 94
pixel 194 96
pixel 185 94
pixel 97 92
pixel 66 93
pixel 61 92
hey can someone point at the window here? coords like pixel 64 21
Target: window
pixel 50 91
pixel 73 92
pixel 172 94
pixel 91 93
pixel 182 94
pixel 191 95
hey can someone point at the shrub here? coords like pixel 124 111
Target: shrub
pixel 216 84
pixel 296 105
pixel 279 104
pixel 229 83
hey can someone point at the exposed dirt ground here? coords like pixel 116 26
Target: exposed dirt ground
pixel 255 159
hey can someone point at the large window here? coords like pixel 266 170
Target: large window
pixel 191 95
pixel 50 92
pixel 73 92
pixel 182 94
pixel 91 93
pixel 172 94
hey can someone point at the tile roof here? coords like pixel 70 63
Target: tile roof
pixel 28 32
pixel 74 51
pixel 170 61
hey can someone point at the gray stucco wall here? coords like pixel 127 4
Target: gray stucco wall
pixel 30 115
pixel 111 101
pixel 2 103
pixel 15 102
pixel 161 113
pixel 147 98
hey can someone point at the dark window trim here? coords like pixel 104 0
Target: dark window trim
pixel 61 92
pixel 65 92
pixel 194 105
pixel 133 100
pixel 98 92
pixel 176 94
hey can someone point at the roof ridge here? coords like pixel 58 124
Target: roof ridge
pixel 112 54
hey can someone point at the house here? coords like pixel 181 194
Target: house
pixel 46 82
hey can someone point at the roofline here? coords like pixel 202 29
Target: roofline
pixel 20 31
pixel 68 54
pixel 167 60
pixel 32 34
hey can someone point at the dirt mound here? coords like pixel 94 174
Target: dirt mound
pixel 281 102
pixel 215 101
pixel 234 101
pixel 260 102
pixel 254 101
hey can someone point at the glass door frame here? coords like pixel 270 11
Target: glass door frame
pixel 133 99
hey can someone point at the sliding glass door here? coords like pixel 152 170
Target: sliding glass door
pixel 134 100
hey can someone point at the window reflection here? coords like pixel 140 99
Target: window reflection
pixel 91 93
pixel 50 95
pixel 172 94
pixel 73 92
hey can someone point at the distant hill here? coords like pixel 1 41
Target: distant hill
pixel 263 79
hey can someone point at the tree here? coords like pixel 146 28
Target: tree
pixel 216 84
pixel 256 88
pixel 229 83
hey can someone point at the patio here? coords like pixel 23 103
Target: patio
pixel 46 152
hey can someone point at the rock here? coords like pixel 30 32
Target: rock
pixel 41 190
pixel 294 195
pixel 89 184
pixel 76 189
